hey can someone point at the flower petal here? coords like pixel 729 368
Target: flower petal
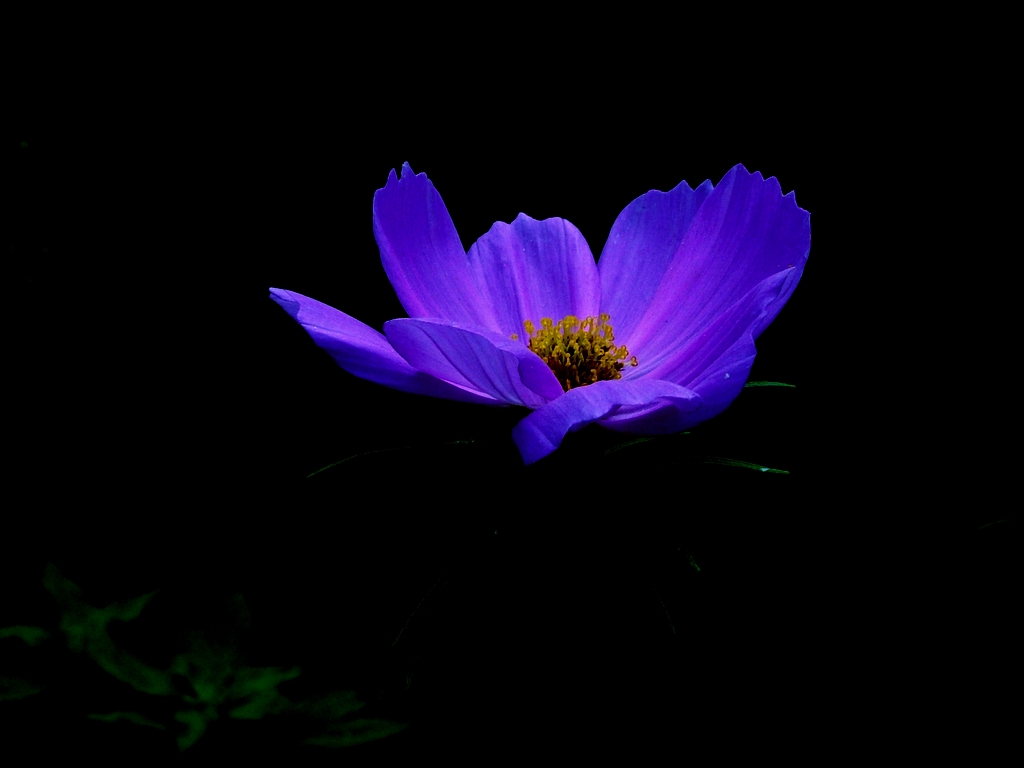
pixel 716 364
pixel 474 358
pixel 542 431
pixel 639 250
pixel 745 232
pixel 533 269
pixel 422 254
pixel 364 352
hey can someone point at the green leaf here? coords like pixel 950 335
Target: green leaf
pixel 31 635
pixel 195 725
pixel 131 717
pixel 744 464
pixel 85 628
pixel 986 525
pixel 669 441
pixel 259 686
pixel 379 451
pixel 640 440
pixel 14 688
pixel 357 456
pixel 330 706
pixel 768 384
pixel 350 733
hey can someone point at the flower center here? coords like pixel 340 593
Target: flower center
pixel 579 352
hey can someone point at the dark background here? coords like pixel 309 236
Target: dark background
pixel 166 416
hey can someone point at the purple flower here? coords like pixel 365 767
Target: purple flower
pixel 655 337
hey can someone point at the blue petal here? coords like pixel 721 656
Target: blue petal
pixel 474 358
pixel 364 352
pixel 542 431
pixel 639 251
pixel 745 232
pixel 715 365
pixel 422 254
pixel 534 269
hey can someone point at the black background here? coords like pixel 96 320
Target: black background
pixel 166 414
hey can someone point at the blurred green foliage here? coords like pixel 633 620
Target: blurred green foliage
pixel 207 680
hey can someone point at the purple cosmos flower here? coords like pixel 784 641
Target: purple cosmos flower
pixel 655 337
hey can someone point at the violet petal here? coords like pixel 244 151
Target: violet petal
pixel 715 365
pixel 542 431
pixel 745 232
pixel 422 254
pixel 742 322
pixel 639 250
pixel 364 352
pixel 474 358
pixel 534 269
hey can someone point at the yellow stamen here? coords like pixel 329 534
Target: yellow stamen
pixel 579 353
